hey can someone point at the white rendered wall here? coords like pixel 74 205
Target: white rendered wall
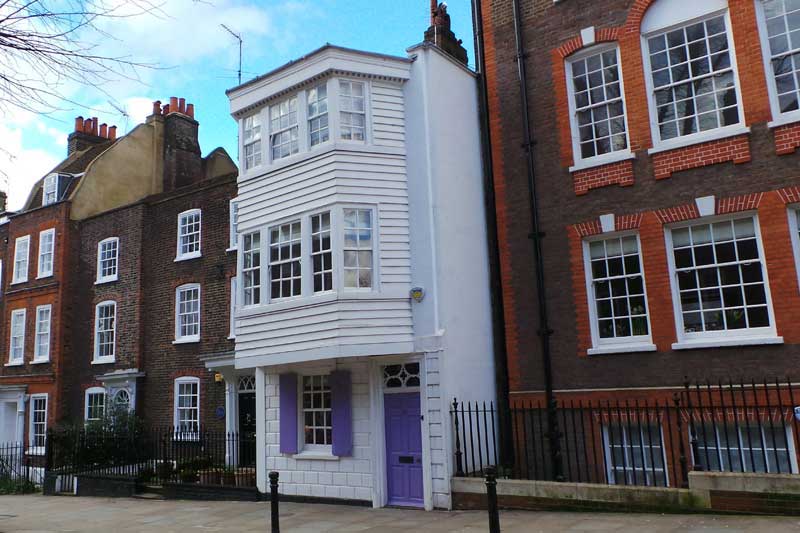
pixel 448 238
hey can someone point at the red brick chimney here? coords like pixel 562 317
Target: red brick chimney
pixel 88 133
pixel 441 35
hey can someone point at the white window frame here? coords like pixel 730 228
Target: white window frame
pixel 778 118
pixel 180 339
pixel 729 337
pixel 17 314
pixel 93 391
pixel 323 449
pixel 233 215
pixel 301 124
pixel 34 449
pixel 43 272
pixel 794 232
pixel 241 271
pixel 330 251
pixel 742 444
pixel 181 256
pixel 619 155
pixel 41 355
pixel 111 277
pixel 365 113
pixel 234 297
pixel 634 343
pixel 280 262
pixel 108 358
pixel 50 187
pixel 627 466
pixel 257 141
pixel 343 248
pixel 21 273
pixel 190 434
pixel 700 136
pixel 309 117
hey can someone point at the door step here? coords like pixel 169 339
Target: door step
pixel 151 492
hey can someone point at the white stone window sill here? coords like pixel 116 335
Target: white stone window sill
pixel 727 341
pixel 188 340
pixel 45 276
pixel 188 257
pixel 232 249
pixel 15 363
pixel 19 281
pixel 104 361
pixel 40 361
pixel 785 120
pixel 39 450
pixel 106 280
pixel 315 456
pixel 699 138
pixel 605 159
pixel 622 348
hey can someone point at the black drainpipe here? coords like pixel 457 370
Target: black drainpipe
pixel 505 450
pixel 537 235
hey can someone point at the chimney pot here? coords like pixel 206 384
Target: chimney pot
pixel 157 107
pixel 182 105
pixel 78 123
pixel 87 126
pixel 104 130
pixel 173 104
pixel 94 126
pixel 166 110
pixel 112 133
pixel 434 7
pixel 190 110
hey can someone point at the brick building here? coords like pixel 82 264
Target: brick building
pixel 663 139
pixel 118 280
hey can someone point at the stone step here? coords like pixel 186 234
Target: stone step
pixel 149 496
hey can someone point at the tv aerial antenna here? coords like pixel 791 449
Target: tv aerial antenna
pixel 238 37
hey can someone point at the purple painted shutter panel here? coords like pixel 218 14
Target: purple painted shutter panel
pixel 341 413
pixel 288 413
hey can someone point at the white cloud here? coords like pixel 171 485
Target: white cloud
pixel 21 167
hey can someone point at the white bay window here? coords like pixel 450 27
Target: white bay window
pixel 313 254
pixel 252 141
pixel 284 130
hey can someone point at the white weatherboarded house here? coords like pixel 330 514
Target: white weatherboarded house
pixel 362 293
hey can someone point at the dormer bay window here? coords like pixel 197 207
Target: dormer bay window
pixel 316 115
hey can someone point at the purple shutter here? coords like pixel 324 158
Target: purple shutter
pixel 341 413
pixel 288 413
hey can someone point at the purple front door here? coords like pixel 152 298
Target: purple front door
pixel 403 449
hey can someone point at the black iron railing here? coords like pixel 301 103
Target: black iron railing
pixel 152 456
pixel 651 438
pixel 21 467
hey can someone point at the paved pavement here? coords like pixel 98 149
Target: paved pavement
pixel 63 513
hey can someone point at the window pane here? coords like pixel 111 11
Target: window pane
pixel 285 269
pixel 358 252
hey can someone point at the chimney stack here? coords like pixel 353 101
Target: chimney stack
pixel 3 202
pixel 88 132
pixel 440 34
pixel 183 164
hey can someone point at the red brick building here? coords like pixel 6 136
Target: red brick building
pixel 117 280
pixel 663 139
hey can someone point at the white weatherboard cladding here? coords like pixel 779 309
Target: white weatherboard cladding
pixel 371 175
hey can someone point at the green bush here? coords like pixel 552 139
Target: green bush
pixel 188 476
pixel 16 486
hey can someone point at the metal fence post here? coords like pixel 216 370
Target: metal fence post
pixel 274 502
pixel 681 447
pixel 491 497
pixel 459 460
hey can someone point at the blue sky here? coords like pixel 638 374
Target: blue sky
pixel 197 60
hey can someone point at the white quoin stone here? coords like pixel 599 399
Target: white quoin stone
pixel 588 36
pixel 608 223
pixel 706 206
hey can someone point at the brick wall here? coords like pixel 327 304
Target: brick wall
pixel 548 27
pixel 164 361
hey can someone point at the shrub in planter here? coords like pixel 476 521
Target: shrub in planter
pixel 246 477
pixel 210 477
pixel 229 477
pixel 188 476
pixel 146 474
pixel 165 470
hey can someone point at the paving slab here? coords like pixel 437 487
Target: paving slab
pixel 49 514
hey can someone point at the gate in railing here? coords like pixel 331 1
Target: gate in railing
pixel 732 427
